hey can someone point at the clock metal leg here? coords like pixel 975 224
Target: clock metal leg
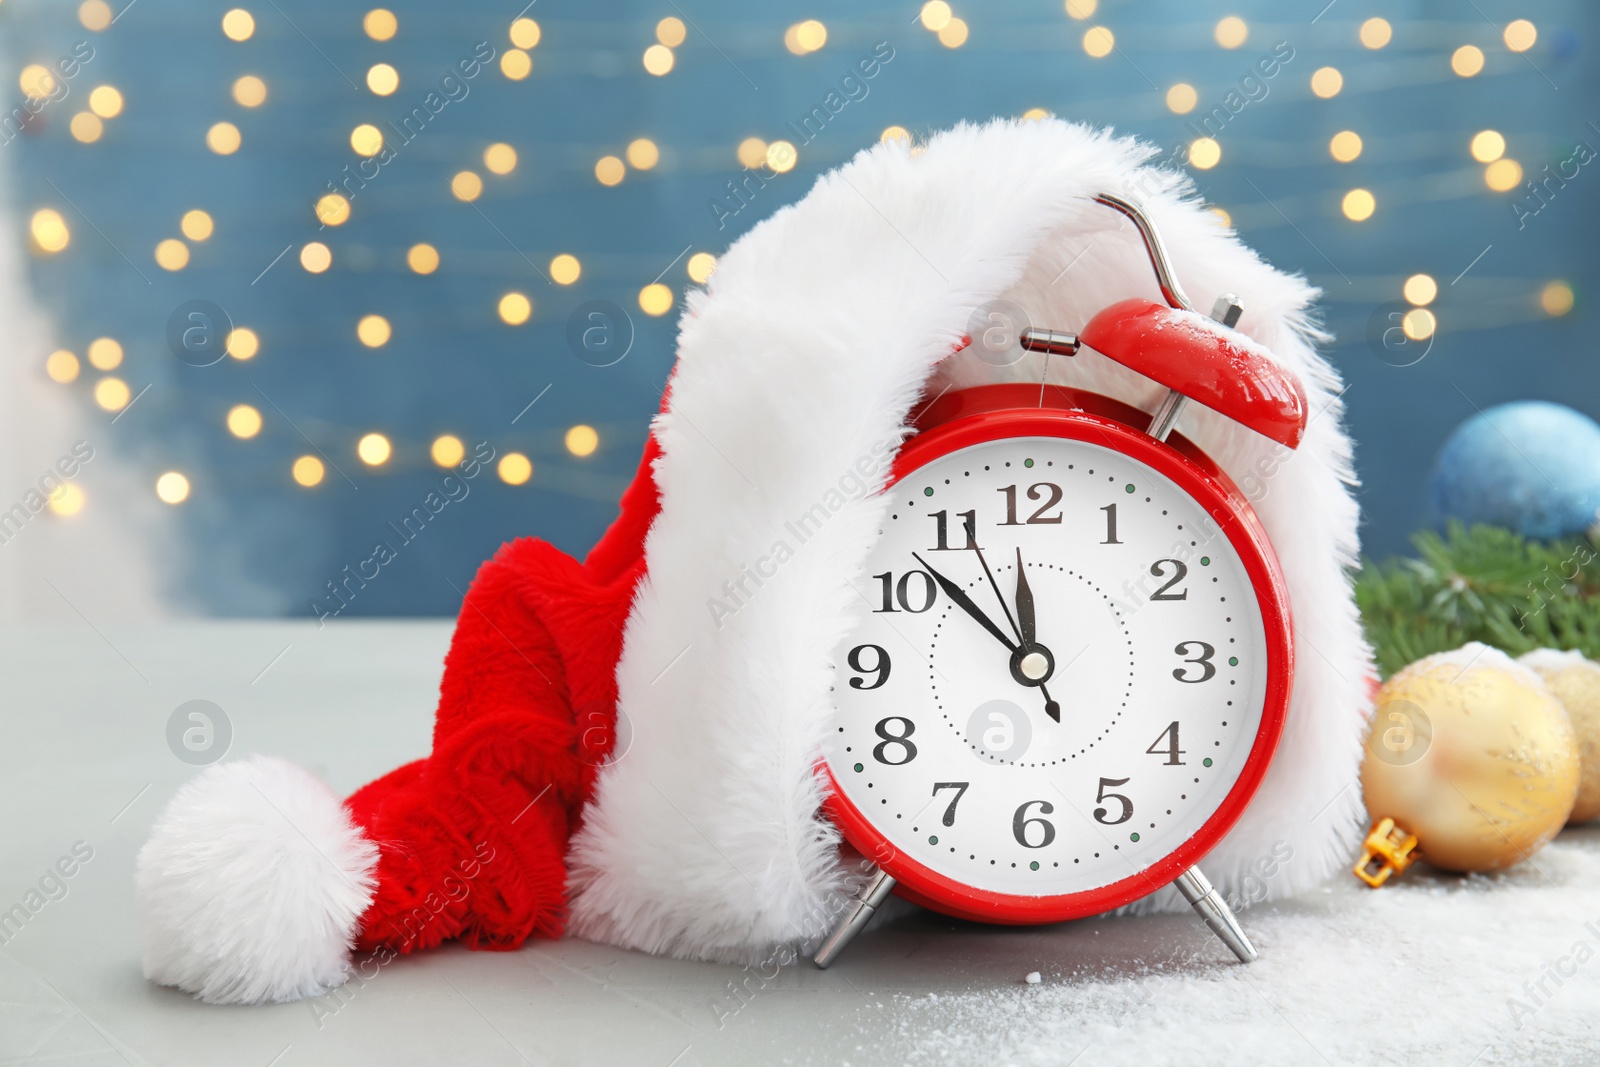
pixel 872 893
pixel 1200 893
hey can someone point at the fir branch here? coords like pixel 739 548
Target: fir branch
pixel 1481 584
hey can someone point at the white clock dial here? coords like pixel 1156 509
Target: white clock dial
pixel 1146 635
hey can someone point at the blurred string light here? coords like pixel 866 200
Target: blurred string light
pixel 67 500
pixel 62 366
pixel 374 449
pixel 422 258
pixel 670 32
pixel 238 25
pixel 1467 60
pixel 658 60
pixel 1205 153
pixel 525 34
pixel 1345 146
pixel 466 186
pixel 95 15
pixel 307 471
pixel 248 91
pixel 104 353
pixel 373 331
pixel 196 225
pixel 701 266
pixel 609 170
pixel 1419 324
pixel 582 440
pixel 655 299
pixel 383 79
pixel 244 421
pixel 86 127
pixel 1231 32
pixel 242 343
pixel 806 37
pixel 315 257
pixel 49 230
pixel 332 210
pixel 172 488
pixel 105 101
pixel 172 254
pixel 1503 175
pixel 112 394
pixel 223 138
pixel 380 24
pixel 514 468
pixel 1098 41
pixel 447 450
pixel 643 154
pixel 366 140
pixel 500 158
pixel 782 156
pixel 1358 205
pixel 1420 289
pixel 1556 298
pixel 1520 35
pixel 1487 146
pixel 565 269
pixel 752 152
pixel 515 309
pixel 516 64
pixel 1035 114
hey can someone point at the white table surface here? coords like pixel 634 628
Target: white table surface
pixel 1423 972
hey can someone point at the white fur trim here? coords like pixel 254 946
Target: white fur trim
pixel 820 329
pixel 1552 660
pixel 252 884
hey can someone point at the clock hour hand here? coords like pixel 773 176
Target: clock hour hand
pixel 964 602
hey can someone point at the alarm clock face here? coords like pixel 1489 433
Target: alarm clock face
pixel 1062 679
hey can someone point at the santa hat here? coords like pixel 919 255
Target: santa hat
pixel 616 756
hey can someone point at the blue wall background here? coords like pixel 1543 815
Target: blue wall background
pixel 256 542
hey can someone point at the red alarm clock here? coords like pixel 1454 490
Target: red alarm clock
pixel 1077 660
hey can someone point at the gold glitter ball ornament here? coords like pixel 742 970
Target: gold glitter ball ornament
pixel 1472 754
pixel 1576 683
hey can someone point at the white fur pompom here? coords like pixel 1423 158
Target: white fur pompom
pixel 252 884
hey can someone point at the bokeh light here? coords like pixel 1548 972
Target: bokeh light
pixel 244 421
pixel 1420 289
pixel 515 309
pixel 307 471
pixel 1358 205
pixel 565 269
pixel 172 488
pixel 514 468
pixel 582 440
pixel 447 450
pixel 104 353
pixel 242 343
pixel 1345 146
pixel 373 331
pixel 374 449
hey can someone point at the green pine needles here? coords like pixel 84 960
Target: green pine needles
pixel 1481 584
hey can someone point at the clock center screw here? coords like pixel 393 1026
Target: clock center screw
pixel 1034 666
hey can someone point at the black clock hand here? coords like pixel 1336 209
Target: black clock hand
pixel 1025 619
pixel 1027 630
pixel 964 602
pixel 972 539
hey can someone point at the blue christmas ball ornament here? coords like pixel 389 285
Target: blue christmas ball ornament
pixel 1529 466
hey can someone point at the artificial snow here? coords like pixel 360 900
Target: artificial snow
pixel 1431 969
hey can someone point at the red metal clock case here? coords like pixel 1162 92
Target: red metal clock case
pixel 986 413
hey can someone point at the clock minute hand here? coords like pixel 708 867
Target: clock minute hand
pixel 964 602
pixel 1028 632
pixel 1025 618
